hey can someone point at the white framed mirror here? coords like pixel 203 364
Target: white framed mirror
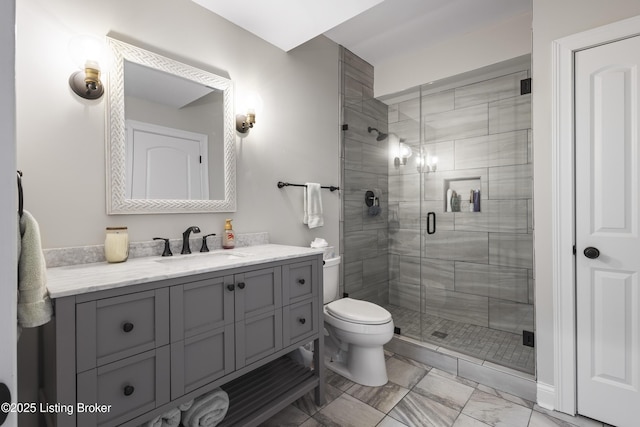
pixel 170 142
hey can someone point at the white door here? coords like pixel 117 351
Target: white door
pixel 166 163
pixel 607 92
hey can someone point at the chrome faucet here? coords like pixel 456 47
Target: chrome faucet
pixel 186 249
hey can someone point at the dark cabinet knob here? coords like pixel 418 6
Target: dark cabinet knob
pixel 301 281
pixel 591 252
pixel 231 287
pixel 128 390
pixel 127 327
pixel 302 320
pixel 241 285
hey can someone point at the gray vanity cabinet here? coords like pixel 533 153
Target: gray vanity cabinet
pixel 146 348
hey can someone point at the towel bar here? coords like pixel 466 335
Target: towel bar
pixel 286 184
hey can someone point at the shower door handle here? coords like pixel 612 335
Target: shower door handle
pixel 431 228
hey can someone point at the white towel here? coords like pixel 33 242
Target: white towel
pixel 207 410
pixel 186 405
pixel 171 418
pixel 34 305
pixel 312 205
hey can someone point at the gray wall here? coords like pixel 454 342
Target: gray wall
pixel 364 160
pixel 61 136
pixel 477 267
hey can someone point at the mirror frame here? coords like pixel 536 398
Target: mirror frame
pixel 116 150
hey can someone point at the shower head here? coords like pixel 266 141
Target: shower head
pixel 381 135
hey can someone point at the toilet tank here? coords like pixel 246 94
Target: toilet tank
pixel 331 279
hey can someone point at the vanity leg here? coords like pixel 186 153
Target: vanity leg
pixel 318 365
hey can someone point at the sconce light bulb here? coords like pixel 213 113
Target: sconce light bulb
pixel 88 53
pixel 405 151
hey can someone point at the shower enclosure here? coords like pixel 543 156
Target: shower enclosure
pixel 454 229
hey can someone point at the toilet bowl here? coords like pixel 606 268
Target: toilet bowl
pixel 355 333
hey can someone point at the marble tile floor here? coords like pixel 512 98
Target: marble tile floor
pixel 418 395
pixel 500 347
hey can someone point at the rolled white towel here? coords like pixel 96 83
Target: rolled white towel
pixel 207 410
pixel 185 406
pixel 171 418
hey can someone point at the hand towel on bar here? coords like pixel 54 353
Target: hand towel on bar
pixel 34 305
pixel 171 418
pixel 312 205
pixel 207 410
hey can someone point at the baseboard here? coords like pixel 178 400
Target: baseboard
pixel 546 396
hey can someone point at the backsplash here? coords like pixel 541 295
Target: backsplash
pixel 59 257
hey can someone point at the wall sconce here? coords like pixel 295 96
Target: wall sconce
pixel 244 122
pixel 251 103
pixel 88 53
pixel 431 164
pixel 404 152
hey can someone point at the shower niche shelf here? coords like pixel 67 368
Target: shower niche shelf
pixel 462 188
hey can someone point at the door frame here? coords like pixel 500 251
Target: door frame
pixel 563 396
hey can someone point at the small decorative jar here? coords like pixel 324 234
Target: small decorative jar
pixel 116 244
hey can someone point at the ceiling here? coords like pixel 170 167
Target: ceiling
pixel 375 30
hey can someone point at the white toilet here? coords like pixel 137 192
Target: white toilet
pixel 355 333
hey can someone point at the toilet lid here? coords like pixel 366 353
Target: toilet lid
pixel 357 311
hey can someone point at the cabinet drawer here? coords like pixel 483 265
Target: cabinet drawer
pixel 131 387
pixel 114 328
pixel 300 321
pixel 300 281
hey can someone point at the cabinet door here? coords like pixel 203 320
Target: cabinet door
pixel 258 337
pixel 258 292
pixel 114 328
pixel 201 306
pixel 300 281
pixel 200 359
pixel 129 387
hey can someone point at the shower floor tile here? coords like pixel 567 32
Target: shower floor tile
pixel 500 347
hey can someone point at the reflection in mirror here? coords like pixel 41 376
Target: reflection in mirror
pixel 171 141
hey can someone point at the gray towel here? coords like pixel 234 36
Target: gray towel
pixel 34 305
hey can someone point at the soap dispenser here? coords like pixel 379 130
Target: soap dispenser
pixel 228 238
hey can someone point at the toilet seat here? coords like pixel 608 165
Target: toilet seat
pixel 357 311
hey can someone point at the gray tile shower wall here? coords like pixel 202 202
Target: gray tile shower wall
pixel 477 267
pixel 365 261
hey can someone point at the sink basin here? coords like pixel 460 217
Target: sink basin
pixel 205 257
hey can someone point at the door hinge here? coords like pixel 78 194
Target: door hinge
pixel 200 159
pixel 574 249
pixel 528 338
pixel 345 127
pixel 525 86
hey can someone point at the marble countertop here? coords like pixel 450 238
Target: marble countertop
pixel 84 278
